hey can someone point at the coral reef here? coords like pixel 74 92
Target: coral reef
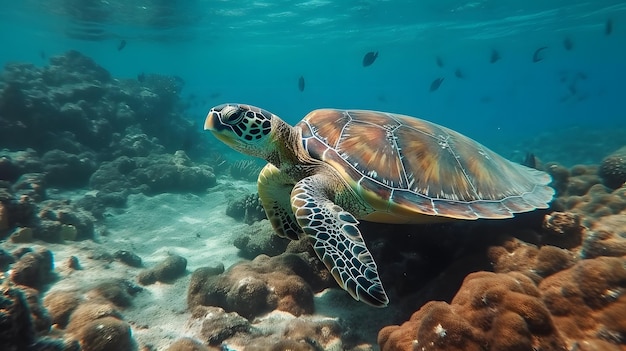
pixel 188 344
pixel 259 238
pixel 582 192
pixel 588 304
pixel 247 209
pixel 92 316
pixel 168 270
pixel 75 106
pixel 613 169
pixel 495 311
pixel 260 286
pixel 33 269
pixel 106 334
pixel 16 326
pixel 606 238
pixel 218 325
pixel 128 257
pixel 61 121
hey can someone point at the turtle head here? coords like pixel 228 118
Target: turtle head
pixel 245 128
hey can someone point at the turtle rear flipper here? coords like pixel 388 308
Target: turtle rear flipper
pixel 336 239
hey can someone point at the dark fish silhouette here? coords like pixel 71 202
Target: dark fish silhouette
pixel 459 74
pixel 369 58
pixel 582 75
pixel 436 84
pixel 608 27
pixel 572 88
pixel 141 77
pixel 537 55
pixel 567 44
pixel 42 54
pixel 301 83
pixel 495 56
pixel 215 95
pixel 121 45
pixel 439 61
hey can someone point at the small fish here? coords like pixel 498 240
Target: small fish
pixel 459 74
pixel 141 77
pixel 572 88
pixel 495 56
pixel 436 84
pixel 537 55
pixel 301 83
pixel 439 61
pixel 582 75
pixel 121 45
pixel 369 58
pixel 215 95
pixel 42 54
pixel 608 27
pixel 567 44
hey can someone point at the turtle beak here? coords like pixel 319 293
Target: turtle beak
pixel 212 123
pixel 209 122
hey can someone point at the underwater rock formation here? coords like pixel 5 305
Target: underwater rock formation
pixel 577 290
pixel 502 311
pixel 284 283
pixel 153 174
pixel 587 303
pixel 33 268
pixel 259 239
pixel 613 169
pixel 168 270
pixel 75 106
pixel 247 208
pixel 16 326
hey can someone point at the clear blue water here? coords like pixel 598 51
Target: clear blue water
pixel 255 51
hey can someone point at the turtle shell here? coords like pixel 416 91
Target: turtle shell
pixel 408 169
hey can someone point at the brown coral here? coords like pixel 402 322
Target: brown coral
pixel 587 301
pixel 256 287
pixel 563 229
pixel 598 201
pixel 606 238
pixel 492 311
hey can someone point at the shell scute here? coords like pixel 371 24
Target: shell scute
pixel 404 166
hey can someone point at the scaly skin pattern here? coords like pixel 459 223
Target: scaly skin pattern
pixel 337 240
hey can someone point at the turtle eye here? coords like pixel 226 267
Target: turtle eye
pixel 232 114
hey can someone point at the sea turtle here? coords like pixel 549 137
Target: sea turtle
pixel 338 166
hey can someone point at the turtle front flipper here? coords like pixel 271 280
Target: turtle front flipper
pixel 274 189
pixel 337 240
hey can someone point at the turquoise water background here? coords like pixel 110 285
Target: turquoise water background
pixel 255 51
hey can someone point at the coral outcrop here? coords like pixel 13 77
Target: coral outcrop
pixel 168 270
pixel 613 169
pixel 494 311
pixel 257 287
pixel 247 208
pixel 259 238
pixel 588 304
